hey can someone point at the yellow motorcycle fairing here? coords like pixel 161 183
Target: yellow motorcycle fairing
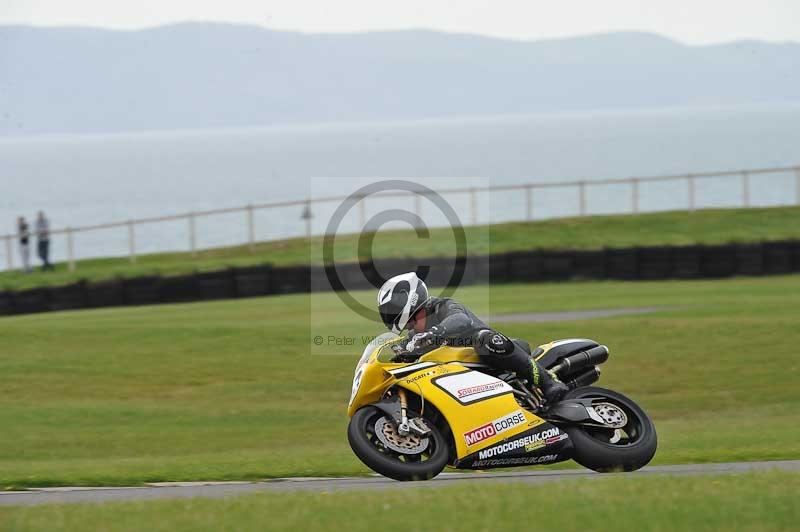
pixel 475 423
pixel 480 410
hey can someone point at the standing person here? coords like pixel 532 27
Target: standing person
pixel 24 235
pixel 43 237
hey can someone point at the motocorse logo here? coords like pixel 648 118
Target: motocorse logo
pixel 531 442
pixel 497 426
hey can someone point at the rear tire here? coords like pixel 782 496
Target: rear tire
pixel 369 449
pixel 594 448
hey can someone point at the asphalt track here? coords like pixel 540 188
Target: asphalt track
pixel 571 315
pixel 182 490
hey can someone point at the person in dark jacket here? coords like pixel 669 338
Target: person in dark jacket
pixel 404 303
pixel 43 240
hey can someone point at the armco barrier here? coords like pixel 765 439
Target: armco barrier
pixel 680 262
pixel 68 297
pixel 216 285
pixel 686 262
pixel 590 264
pixel 6 303
pixel 750 259
pixel 778 257
pixel 622 264
pixel 142 290
pixel 105 294
pixel 252 281
pixel 655 263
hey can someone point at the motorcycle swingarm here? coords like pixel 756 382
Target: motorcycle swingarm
pixel 579 411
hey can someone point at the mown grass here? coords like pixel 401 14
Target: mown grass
pixel 752 501
pixel 714 226
pixel 237 389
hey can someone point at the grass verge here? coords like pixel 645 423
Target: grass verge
pixel 713 226
pixel 237 389
pixel 751 501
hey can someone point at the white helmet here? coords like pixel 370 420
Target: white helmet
pixel 399 298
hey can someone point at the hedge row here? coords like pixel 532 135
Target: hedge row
pixel 685 262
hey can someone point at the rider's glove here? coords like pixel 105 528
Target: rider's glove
pixel 423 339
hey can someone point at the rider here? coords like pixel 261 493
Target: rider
pixel 404 303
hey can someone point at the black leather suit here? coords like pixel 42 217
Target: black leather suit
pixel 455 324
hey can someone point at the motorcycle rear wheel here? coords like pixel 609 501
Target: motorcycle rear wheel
pixel 361 433
pixel 606 450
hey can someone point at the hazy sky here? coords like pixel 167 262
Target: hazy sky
pixel 690 21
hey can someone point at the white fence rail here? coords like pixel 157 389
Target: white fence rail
pixel 738 178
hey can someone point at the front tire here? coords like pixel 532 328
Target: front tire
pixel 370 449
pixel 607 450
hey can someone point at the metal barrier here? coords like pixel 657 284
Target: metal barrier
pixel 582 186
pixel 638 263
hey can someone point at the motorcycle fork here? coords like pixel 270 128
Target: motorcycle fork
pixel 403 428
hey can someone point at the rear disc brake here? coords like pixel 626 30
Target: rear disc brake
pixel 612 415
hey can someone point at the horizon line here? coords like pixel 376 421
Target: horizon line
pixel 373 31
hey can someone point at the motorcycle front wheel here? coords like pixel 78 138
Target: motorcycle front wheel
pixel 628 447
pixel 374 439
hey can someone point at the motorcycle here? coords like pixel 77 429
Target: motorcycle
pixel 412 416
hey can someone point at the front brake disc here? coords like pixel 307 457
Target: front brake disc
pixel 388 435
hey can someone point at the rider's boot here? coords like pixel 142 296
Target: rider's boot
pixel 552 388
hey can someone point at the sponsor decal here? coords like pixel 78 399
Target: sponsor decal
pixel 470 386
pixel 498 426
pixel 547 438
pixel 516 461
pixel 408 370
pixel 531 442
pixel 472 390
pixel 415 378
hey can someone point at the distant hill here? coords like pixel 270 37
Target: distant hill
pixel 198 75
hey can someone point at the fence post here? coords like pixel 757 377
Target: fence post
pixel 70 251
pixel 797 184
pixel 192 237
pixel 473 206
pixel 746 188
pixel 690 183
pixel 251 229
pixel 635 195
pixel 362 212
pixel 9 253
pixel 529 202
pixel 582 191
pixel 308 215
pixel 131 242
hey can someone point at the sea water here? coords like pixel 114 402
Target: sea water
pixel 87 180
